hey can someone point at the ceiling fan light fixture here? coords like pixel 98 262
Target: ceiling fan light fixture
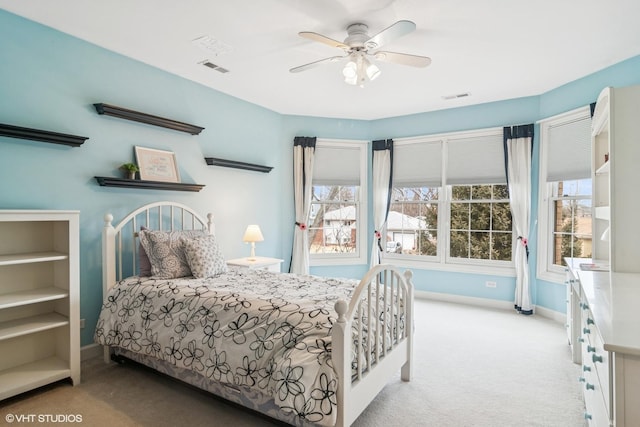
pixel 350 73
pixel 373 72
pixel 359 69
pixel 358 45
pixel 350 69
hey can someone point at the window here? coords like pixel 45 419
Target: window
pixel 412 223
pixel 337 220
pixel 571 220
pixel 450 205
pixel 480 223
pixel 564 205
pixel 334 222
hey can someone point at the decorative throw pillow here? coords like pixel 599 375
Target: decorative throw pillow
pixel 204 257
pixel 166 253
pixel 144 265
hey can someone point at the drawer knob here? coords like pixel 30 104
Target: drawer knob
pixel 581 339
pixel 597 358
pixel 582 379
pixel 590 386
pixel 586 368
pixel 587 416
pixel 586 330
pixel 585 306
pixel 590 321
pixel 591 349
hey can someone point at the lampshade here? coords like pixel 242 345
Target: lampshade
pixel 253 234
pixel 359 69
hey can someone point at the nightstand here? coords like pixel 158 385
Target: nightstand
pixel 258 263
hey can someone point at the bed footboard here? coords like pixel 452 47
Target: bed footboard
pixel 380 316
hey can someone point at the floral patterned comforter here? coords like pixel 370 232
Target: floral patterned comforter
pixel 267 331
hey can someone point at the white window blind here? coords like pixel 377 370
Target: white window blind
pixel 336 165
pixel 417 164
pixel 569 150
pixel 476 160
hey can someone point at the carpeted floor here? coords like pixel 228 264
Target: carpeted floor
pixel 473 367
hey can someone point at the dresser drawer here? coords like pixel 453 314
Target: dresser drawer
pixel 587 326
pixel 599 357
pixel 596 413
pixel 595 371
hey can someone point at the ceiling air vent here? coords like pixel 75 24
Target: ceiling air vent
pixel 212 45
pixel 214 67
pixel 459 95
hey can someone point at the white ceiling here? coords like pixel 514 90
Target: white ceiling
pixel 492 49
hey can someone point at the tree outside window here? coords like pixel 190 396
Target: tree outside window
pixel 480 223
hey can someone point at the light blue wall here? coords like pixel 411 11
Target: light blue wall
pixel 573 95
pixel 49 81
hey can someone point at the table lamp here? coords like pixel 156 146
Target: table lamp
pixel 252 235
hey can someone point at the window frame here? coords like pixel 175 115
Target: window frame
pixel 473 261
pixel 545 268
pixel 413 257
pixel 360 256
pixel 442 262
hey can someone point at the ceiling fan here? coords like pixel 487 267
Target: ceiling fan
pixel 359 47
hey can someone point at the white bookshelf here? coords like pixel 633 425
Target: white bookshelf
pixel 39 299
pixel 616 172
pixel 604 321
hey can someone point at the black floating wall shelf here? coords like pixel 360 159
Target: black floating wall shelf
pixel 41 135
pixel 212 161
pixel 124 113
pixel 106 181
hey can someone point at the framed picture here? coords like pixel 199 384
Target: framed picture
pixel 157 165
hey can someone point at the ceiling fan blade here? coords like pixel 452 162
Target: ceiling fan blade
pixel 390 33
pixel 403 58
pixel 315 64
pixel 323 39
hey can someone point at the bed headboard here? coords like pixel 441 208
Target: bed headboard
pixel 120 242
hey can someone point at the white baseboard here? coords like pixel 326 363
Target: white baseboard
pixel 551 314
pixel 90 351
pixel 488 303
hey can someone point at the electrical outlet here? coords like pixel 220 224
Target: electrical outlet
pixel 491 284
pixel 81 323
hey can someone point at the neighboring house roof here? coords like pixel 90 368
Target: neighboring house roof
pixel 347 212
pixel 395 220
pixel 398 221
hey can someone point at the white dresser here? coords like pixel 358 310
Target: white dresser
pixel 39 299
pixel 604 323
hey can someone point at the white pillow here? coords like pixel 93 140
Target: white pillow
pixel 204 256
pixel 165 250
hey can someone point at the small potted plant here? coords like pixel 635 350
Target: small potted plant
pixel 130 169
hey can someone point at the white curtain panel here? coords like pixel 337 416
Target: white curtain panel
pixel 382 160
pixel 303 154
pixel 519 175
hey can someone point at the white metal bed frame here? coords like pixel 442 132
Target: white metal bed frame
pixel 384 283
